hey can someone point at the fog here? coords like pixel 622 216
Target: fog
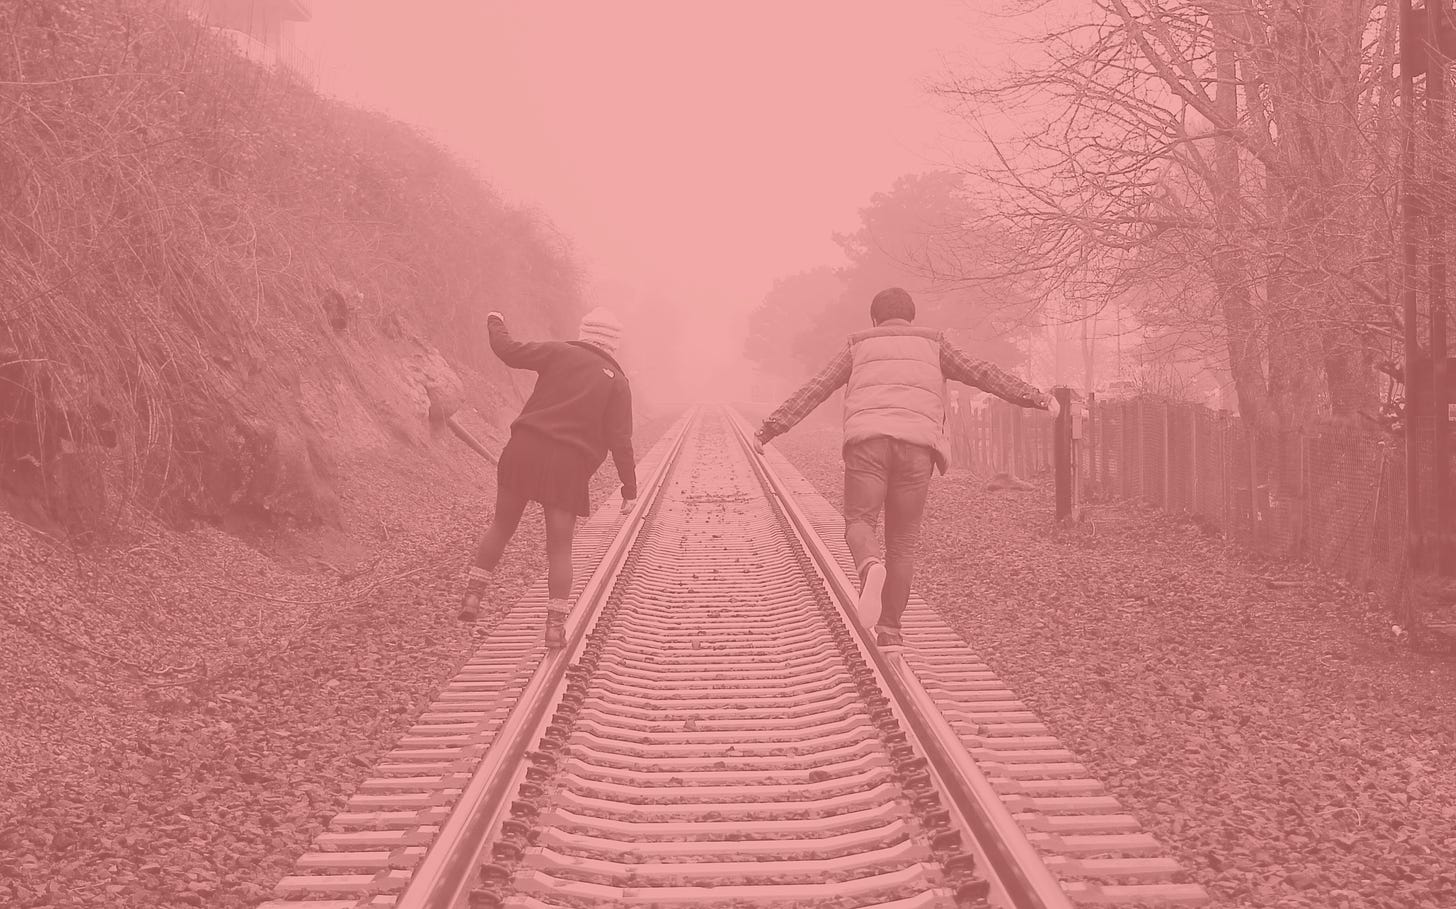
pixel 692 153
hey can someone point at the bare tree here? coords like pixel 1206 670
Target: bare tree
pixel 1233 160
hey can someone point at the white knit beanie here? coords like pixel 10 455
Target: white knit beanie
pixel 602 328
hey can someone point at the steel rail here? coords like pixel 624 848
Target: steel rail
pixel 1018 869
pixel 447 872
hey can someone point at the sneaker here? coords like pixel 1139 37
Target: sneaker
pixel 475 580
pixel 872 585
pixel 888 637
pixel 470 604
pixel 556 627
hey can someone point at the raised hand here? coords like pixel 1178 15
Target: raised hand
pixel 1052 405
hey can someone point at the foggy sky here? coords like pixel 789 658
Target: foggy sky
pixel 693 152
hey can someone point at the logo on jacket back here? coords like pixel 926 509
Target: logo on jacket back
pixel 610 374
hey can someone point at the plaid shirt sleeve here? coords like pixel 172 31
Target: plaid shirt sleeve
pixel 960 366
pixel 813 393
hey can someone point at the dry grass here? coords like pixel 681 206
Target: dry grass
pixel 178 227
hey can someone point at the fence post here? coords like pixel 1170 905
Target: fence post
pixel 980 426
pixel 1104 459
pixel 985 433
pixel 966 436
pixel 985 443
pixel 1043 443
pixel 1194 414
pixel 1000 443
pixel 988 438
pixel 1142 447
pixel 1168 456
pixel 1134 446
pixel 1018 443
pixel 978 450
pixel 1093 477
pixel 970 421
pixel 995 440
pixel 970 438
pixel 1126 468
pixel 1003 439
pixel 1062 451
pixel 983 438
pixel 1032 429
pixel 1028 441
pixel 996 437
pixel 1034 438
pixel 1223 461
pixel 957 434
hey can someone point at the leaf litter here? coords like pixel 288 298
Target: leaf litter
pixel 1278 738
pixel 165 742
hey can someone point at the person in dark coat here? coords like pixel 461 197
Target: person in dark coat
pixel 580 409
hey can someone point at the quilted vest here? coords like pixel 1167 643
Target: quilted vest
pixel 896 388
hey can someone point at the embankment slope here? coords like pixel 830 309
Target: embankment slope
pixel 228 532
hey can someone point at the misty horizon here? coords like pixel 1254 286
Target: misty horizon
pixel 694 192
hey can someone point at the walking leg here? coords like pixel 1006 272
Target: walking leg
pixel 560 532
pixel 910 472
pixel 509 506
pixel 864 495
pixel 865 465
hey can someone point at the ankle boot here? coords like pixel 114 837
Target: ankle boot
pixel 556 613
pixel 474 591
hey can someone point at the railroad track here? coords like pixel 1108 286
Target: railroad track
pixel 719 732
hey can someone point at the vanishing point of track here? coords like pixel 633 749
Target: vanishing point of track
pixel 719 732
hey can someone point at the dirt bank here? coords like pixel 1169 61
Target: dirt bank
pixel 224 292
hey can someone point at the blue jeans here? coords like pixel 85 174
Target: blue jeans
pixel 895 475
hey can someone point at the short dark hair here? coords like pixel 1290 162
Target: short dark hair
pixel 892 303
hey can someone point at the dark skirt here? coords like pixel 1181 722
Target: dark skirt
pixel 547 471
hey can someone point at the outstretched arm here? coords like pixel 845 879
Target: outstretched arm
pixel 513 353
pixel 802 402
pixel 619 441
pixel 961 367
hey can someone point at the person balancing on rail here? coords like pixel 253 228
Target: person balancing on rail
pixel 894 438
pixel 580 409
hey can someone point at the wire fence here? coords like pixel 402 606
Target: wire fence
pixel 1337 501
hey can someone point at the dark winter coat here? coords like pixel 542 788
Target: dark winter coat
pixel 582 398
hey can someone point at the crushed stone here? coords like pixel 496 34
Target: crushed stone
pixel 182 712
pixel 1280 739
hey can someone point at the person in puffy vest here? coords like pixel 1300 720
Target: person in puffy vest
pixel 580 409
pixel 894 376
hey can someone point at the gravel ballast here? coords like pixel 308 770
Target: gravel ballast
pixel 1279 739
pixel 1288 749
pixel 181 713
